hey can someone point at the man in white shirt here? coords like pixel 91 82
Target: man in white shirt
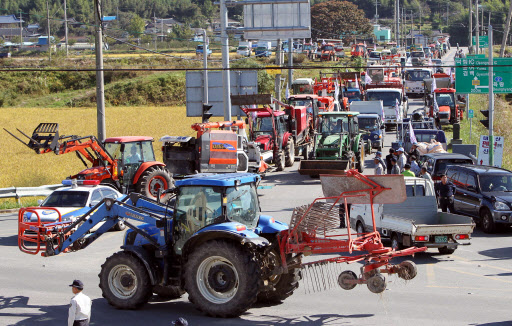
pixel 379 169
pixel 401 160
pixel 80 306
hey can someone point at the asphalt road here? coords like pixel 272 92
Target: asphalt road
pixel 473 286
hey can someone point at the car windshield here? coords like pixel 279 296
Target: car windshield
pixel 328 48
pixel 243 205
pixel 261 48
pixel 243 47
pixel 444 99
pixel 368 123
pixel 437 62
pixel 339 49
pixel 302 102
pixel 334 124
pixel 388 98
pixel 66 199
pixel 263 125
pixel 417 54
pixel 375 55
pixel 199 47
pixel 307 47
pixel 377 75
pixel 302 89
pixel 442 164
pixel 416 75
pixel 496 182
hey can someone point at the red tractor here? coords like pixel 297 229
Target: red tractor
pixel 358 50
pixel 447 110
pixel 281 135
pixel 328 53
pixel 126 163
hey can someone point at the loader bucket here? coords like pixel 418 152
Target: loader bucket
pixel 44 137
pixel 317 167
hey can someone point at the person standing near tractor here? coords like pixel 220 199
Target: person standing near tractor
pixel 80 306
pixel 445 191
pixel 394 167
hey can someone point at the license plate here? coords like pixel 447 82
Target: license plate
pixel 441 239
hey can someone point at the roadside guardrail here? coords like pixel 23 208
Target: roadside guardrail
pixel 19 192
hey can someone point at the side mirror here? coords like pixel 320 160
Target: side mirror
pixel 472 188
pixel 39 202
pixel 383 127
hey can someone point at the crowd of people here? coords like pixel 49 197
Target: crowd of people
pixel 400 162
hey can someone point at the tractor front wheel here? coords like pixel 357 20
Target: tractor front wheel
pixel 222 279
pixel 124 281
pixel 360 158
pixel 279 160
pixel 289 152
pixel 153 179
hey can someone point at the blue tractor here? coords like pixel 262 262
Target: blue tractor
pixel 209 240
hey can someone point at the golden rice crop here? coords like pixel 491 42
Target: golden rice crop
pixel 22 167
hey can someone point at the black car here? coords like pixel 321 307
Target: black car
pixel 436 163
pixel 484 192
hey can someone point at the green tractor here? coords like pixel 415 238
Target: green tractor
pixel 338 145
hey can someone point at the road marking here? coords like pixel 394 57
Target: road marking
pixel 473 274
pixel 482 264
pixel 431 276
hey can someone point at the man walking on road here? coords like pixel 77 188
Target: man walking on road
pixel 401 159
pixel 407 171
pixel 445 191
pixel 388 160
pixel 394 167
pixel 379 169
pixel 80 306
pixel 424 174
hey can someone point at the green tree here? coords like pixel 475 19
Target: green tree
pixel 136 27
pixel 182 32
pixel 331 19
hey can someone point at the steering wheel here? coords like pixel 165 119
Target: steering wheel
pixel 501 188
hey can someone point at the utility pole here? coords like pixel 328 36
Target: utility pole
pixel 447 14
pixel 66 26
pixel 505 33
pixel 376 12
pixel 412 28
pixel 491 100
pixel 21 31
pixel 205 65
pixel 156 29
pixel 100 87
pixel 278 76
pixel 48 30
pixel 226 82
pixel 397 13
pixel 477 34
pixel 470 26
pixel 290 62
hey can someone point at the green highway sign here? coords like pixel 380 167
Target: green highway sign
pixel 471 113
pixel 483 40
pixel 472 75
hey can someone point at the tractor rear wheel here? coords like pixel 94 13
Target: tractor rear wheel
pixel 289 152
pixel 222 279
pixel 360 158
pixel 279 161
pixel 153 179
pixel 124 281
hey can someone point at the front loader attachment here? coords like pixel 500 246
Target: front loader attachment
pixel 317 167
pixel 44 138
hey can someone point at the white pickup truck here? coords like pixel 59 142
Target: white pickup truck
pixel 416 221
pixel 413 81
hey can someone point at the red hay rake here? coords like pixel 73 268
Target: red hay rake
pixel 315 229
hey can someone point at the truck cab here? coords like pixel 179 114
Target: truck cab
pixel 372 127
pixel 389 97
pixel 413 81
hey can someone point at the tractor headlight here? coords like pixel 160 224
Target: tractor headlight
pixel 501 206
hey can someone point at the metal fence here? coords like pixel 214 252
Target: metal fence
pixel 19 192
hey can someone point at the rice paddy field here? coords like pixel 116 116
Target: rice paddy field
pixel 22 167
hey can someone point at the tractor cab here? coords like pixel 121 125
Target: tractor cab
pixel 207 199
pixel 449 112
pixel 266 128
pixel 131 152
